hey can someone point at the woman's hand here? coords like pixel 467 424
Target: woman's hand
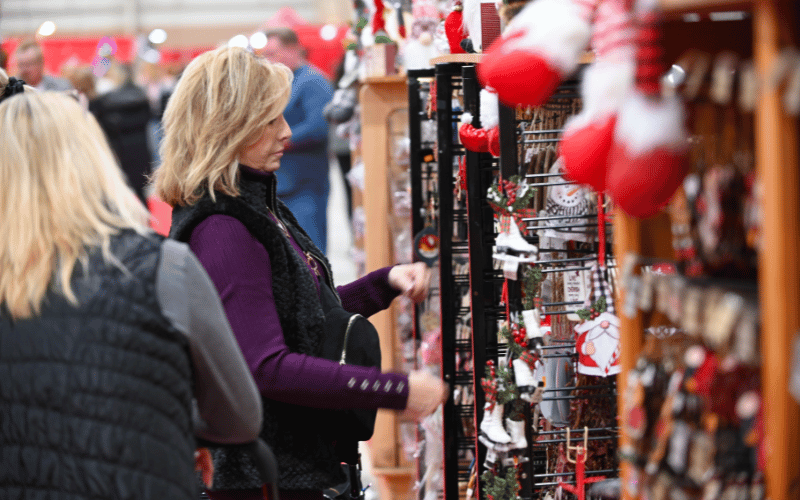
pixel 425 394
pixel 413 280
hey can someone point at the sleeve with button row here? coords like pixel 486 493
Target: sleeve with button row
pixel 239 267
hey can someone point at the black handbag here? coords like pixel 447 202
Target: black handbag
pixel 349 339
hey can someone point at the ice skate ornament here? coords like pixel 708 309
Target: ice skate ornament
pixel 540 47
pixel 569 202
pixel 525 362
pixel 579 489
pixel 510 247
pixel 648 160
pixel 589 135
pixel 597 343
pixel 498 390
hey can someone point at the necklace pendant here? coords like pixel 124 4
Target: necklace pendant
pixel 312 263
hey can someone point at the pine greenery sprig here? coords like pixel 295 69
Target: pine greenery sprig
pixel 513 346
pixel 510 197
pixel 530 285
pixel 498 385
pixel 598 308
pixel 501 488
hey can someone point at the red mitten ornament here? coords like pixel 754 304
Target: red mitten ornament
pixel 648 160
pixel 490 119
pixel 588 136
pixel 453 28
pixel 473 139
pixel 540 47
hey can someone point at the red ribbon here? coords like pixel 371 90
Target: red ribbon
pixel 601 229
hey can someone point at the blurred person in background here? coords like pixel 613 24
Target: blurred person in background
pixel 3 59
pixel 124 115
pixel 224 140
pixel 303 182
pixel 83 80
pixel 30 67
pixel 116 352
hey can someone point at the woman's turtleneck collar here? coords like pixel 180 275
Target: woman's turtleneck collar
pixel 263 180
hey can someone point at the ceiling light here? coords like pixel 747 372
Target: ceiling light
pixel 328 32
pixel 238 41
pixel 258 40
pixel 157 36
pixel 47 28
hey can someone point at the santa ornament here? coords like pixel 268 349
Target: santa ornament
pixel 589 135
pixel 453 28
pixel 597 341
pixel 540 47
pixel 649 157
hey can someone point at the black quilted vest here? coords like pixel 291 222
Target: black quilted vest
pixel 95 400
pixel 306 457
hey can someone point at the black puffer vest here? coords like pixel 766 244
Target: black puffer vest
pixel 95 400
pixel 306 456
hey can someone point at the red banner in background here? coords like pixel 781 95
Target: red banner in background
pixel 324 54
pixel 78 51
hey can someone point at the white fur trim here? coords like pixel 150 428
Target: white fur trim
pixel 553 29
pixel 466 117
pixel 471 12
pixel 490 109
pixel 644 125
pixel 604 89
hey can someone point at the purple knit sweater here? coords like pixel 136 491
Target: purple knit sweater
pixel 240 268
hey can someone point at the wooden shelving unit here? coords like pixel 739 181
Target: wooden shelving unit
pixel 776 140
pixel 379 98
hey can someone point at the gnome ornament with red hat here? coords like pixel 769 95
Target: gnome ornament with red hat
pixel 540 47
pixel 597 342
pixel 649 157
pixel 589 135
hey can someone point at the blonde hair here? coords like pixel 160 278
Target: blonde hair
pixel 222 103
pixel 62 195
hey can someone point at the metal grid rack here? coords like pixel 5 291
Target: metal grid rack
pixel 516 138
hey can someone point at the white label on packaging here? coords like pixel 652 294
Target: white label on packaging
pixel 510 268
pixel 575 290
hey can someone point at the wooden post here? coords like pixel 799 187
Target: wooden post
pixel 627 240
pixel 379 97
pixel 779 270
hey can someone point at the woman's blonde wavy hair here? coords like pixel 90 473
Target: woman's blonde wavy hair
pixel 222 103
pixel 62 195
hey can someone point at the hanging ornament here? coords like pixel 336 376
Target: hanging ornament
pixel 378 23
pixel 597 342
pixel 589 135
pixel 513 205
pixel 648 159
pixel 539 48
pixel 453 27
pixel 473 139
pixel 579 489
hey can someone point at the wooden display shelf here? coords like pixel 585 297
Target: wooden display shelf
pixel 686 6
pixel 457 58
pixel 777 165
pixel 379 98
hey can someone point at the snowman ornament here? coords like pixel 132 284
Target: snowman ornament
pixel 569 202
pixel 597 342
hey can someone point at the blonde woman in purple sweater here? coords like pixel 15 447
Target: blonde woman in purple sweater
pixel 224 138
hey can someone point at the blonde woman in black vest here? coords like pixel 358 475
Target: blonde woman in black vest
pixel 111 337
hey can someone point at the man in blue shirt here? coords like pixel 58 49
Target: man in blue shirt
pixel 303 177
